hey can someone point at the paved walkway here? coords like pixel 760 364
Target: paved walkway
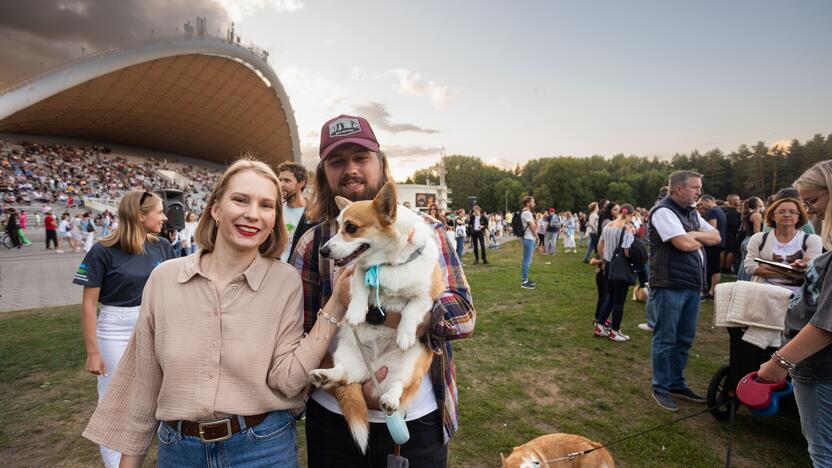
pixel 33 277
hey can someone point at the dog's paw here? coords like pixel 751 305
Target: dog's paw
pixel 405 341
pixel 318 377
pixel 389 403
pixel 356 315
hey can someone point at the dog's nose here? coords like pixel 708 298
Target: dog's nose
pixel 325 251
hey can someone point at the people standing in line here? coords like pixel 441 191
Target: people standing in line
pixel 618 233
pixel 218 361
pixel 751 223
pixel 292 178
pixel 50 225
pixel 530 234
pixel 807 354
pixel 113 274
pixel 713 253
pixel 733 219
pixel 352 166
pixel 477 225
pixel 785 244
pixel 568 227
pixel 551 231
pixel 13 228
pixel 592 230
pixel 677 266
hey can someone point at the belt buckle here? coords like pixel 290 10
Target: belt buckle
pixel 227 435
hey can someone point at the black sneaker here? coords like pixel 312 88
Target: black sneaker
pixel 665 401
pixel 528 284
pixel 688 394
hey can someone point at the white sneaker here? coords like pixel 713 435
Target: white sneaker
pixel 601 331
pixel 59 251
pixel 645 327
pixel 618 336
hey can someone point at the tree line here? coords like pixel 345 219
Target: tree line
pixel 571 183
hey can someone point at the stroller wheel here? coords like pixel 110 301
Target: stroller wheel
pixel 719 393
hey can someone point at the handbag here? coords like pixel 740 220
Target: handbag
pixel 621 270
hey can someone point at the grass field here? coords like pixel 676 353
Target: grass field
pixel 531 368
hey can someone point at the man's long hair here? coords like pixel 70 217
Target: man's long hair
pixel 322 207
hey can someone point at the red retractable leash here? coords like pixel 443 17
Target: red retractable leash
pixel 763 399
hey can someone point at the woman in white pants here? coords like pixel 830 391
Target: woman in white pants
pixel 113 274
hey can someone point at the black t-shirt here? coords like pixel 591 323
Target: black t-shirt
pixel 121 275
pixel 721 223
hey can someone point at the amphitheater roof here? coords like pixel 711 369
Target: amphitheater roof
pixel 199 97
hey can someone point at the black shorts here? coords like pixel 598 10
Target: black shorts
pixel 713 259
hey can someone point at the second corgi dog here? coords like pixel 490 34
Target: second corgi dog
pixel 378 234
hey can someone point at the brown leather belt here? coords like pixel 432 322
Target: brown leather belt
pixel 216 431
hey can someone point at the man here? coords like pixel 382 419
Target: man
pixel 733 219
pixel 713 254
pixel 477 224
pixel 353 167
pixel 292 177
pixel 677 234
pixel 550 239
pixel 51 227
pixel 529 241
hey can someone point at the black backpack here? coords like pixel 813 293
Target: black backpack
pixel 517 224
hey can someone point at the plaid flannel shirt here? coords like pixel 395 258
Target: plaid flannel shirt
pixel 453 315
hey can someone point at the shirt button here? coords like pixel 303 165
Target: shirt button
pixel 234 286
pixel 214 344
pixel 210 376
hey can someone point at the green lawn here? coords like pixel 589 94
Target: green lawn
pixel 531 368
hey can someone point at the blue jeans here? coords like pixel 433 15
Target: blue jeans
pixel 269 444
pixel 528 250
pixel 677 311
pixel 460 246
pixel 814 402
pixel 593 244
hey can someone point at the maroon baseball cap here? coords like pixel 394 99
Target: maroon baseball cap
pixel 346 129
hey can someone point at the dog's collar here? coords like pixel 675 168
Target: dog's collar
pixel 412 257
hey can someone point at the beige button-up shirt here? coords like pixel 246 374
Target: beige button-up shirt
pixel 197 355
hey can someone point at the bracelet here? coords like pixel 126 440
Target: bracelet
pixel 329 318
pixel 781 361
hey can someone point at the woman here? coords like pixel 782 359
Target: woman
pixel 460 232
pixel 751 223
pixel 13 228
pixel 542 223
pixel 187 235
pixel 785 244
pixel 592 230
pixel 569 228
pixel 88 228
pixel 113 274
pixel 618 233
pixel 807 354
pixel 75 232
pixel 65 231
pixel 218 353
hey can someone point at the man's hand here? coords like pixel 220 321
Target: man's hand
pixel 370 396
pixel 392 320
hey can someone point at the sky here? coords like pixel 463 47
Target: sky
pixel 504 81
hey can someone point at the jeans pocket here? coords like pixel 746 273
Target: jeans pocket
pixel 275 424
pixel 167 435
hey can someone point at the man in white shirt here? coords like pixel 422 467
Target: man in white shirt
pixel 292 177
pixel 677 235
pixel 529 240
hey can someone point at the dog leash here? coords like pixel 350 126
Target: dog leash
pixel 572 456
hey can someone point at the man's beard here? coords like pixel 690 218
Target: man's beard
pixel 367 194
pixel 289 196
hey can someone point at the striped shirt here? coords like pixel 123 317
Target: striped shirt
pixel 453 314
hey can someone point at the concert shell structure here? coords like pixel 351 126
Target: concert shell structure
pixel 196 96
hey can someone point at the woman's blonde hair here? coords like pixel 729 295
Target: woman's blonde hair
pixel 819 177
pixel 206 229
pixel 130 235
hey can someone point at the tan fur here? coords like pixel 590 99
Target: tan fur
pixel 553 446
pixel 364 215
pixel 385 204
pixel 351 399
pixel 640 294
pixel 437 286
pixel 422 368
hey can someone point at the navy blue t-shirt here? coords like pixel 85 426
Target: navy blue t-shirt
pixel 721 223
pixel 121 275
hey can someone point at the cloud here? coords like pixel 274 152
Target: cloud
pixel 380 118
pixel 237 9
pixel 410 82
pixel 304 84
pixel 45 33
pixel 410 152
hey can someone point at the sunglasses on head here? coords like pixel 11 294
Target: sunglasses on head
pixel 145 195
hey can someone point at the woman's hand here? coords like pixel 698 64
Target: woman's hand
pixel 95 364
pixel 770 372
pixel 341 290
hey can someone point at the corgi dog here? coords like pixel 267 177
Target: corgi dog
pixel 378 234
pixel 544 450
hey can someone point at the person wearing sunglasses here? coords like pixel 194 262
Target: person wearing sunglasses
pixel 786 243
pixel 113 273
pixel 807 354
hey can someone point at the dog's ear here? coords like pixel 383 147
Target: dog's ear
pixel 342 202
pixel 385 204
